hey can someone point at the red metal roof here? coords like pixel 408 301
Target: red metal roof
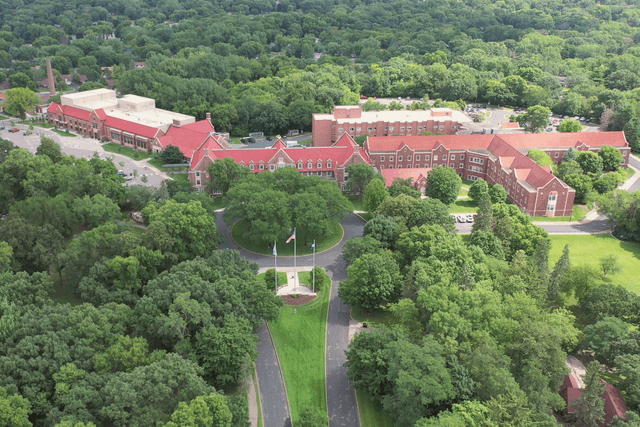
pixel 614 404
pixel 74 112
pixel 101 114
pixel 131 127
pixel 202 126
pixel 187 140
pixel 416 173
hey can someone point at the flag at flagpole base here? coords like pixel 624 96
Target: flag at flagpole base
pixel 293 236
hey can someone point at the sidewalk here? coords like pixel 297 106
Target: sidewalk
pixel 293 285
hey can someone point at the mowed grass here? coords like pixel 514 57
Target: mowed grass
pixel 286 249
pixel 64 133
pixel 371 413
pixel 299 337
pixel 590 248
pixel 282 278
pixel 463 206
pixel 357 203
pixel 126 151
pixel 376 317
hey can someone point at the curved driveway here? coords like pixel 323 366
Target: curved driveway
pixel 341 398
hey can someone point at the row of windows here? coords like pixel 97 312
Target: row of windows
pixel 426 157
pixel 475 169
pixel 476 160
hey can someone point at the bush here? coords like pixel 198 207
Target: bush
pixel 321 275
pixel 270 278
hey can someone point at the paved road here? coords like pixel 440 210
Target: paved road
pixel 342 407
pixel 81 146
pixel 273 400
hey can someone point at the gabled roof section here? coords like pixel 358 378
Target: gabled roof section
pixel 185 139
pixel 390 175
pixel 345 140
pixel 203 126
pixel 130 127
pixel 279 144
pixel 101 114
pixel 280 152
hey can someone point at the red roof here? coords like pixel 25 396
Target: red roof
pixel 510 125
pixel 131 127
pixel 415 173
pixel 202 126
pixel 614 404
pixel 185 139
pixel 519 141
pixel 3 96
pixel 74 112
pixel 101 114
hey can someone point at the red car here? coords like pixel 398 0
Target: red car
pixel 14 130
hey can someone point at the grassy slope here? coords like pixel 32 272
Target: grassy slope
pixel 588 249
pixel 300 342
pixel 285 249
pixel 371 413
pixel 126 151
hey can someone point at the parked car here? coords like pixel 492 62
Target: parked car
pixel 122 173
pixel 14 130
pixel 469 218
pixel 1 127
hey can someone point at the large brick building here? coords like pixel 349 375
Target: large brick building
pixel 498 159
pixel 327 162
pixel 350 119
pixel 133 121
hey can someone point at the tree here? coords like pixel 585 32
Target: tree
pixel 609 264
pixel 536 118
pixel 383 229
pixel 430 211
pixel 570 125
pixel 478 189
pixel 96 210
pixel 608 300
pixel 540 157
pixel 49 148
pixel 359 175
pixel 224 173
pixel 581 183
pixel 6 252
pixel 172 155
pixel 443 184
pixel 629 368
pixel 399 207
pixel 14 410
pixel 590 406
pixel 632 133
pixel 562 267
pixel 313 417
pixel 358 246
pixel 611 157
pixel 498 194
pixel 20 100
pixel 590 162
pixel 404 186
pixel 226 349
pixel 488 242
pixel 374 280
pixel 421 381
pixel 374 194
pixel 203 411
pixel 484 220
pixel 600 336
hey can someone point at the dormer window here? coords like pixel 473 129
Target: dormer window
pixel 329 165
pixel 320 164
pixel 300 165
pixel 261 167
pixel 252 167
pixel 309 165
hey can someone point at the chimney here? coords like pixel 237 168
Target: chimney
pixel 209 117
pixel 51 82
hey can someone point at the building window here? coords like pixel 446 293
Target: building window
pixel 409 158
pixel 369 129
pixel 417 158
pixel 115 136
pixel 308 173
pixel 381 167
pixel 351 129
pixel 461 156
pixel 341 129
pixel 299 165
pixel 461 165
pixel 408 127
pixel 329 165
pixel 399 158
pixel 427 157
pixel 197 182
pixel 390 166
pixel 272 167
pixel 343 186
pixel 319 173
pixel 453 157
pixel 252 167
pixel 261 167
pixel 444 157
pixel 329 173
pixel 386 127
pixel 435 157
pixel 399 166
pixel 198 174
pixel 401 127
pixel 359 129
pixel 391 128
pixel 453 165
pixel 557 154
pixel 319 164
pixel 128 139
pixel 391 158
pixel 382 158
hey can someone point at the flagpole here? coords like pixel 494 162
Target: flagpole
pixel 295 274
pixel 275 258
pixel 314 266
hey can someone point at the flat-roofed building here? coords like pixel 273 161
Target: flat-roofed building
pixel 350 119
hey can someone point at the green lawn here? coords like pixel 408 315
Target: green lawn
pixel 45 125
pixel 463 206
pixel 356 201
pixel 299 336
pixel 157 163
pixel 180 177
pixel 255 386
pixel 326 242
pixel 464 191
pixel 373 317
pixel 4 117
pixel 64 133
pixel 305 141
pixel 126 151
pixel 554 219
pixel 371 413
pixel 629 172
pixel 588 249
pixel 366 216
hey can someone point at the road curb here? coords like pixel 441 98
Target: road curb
pixel 326 331
pixel 284 385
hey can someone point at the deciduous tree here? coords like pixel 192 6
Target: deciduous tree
pixel 443 184
pixel 374 280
